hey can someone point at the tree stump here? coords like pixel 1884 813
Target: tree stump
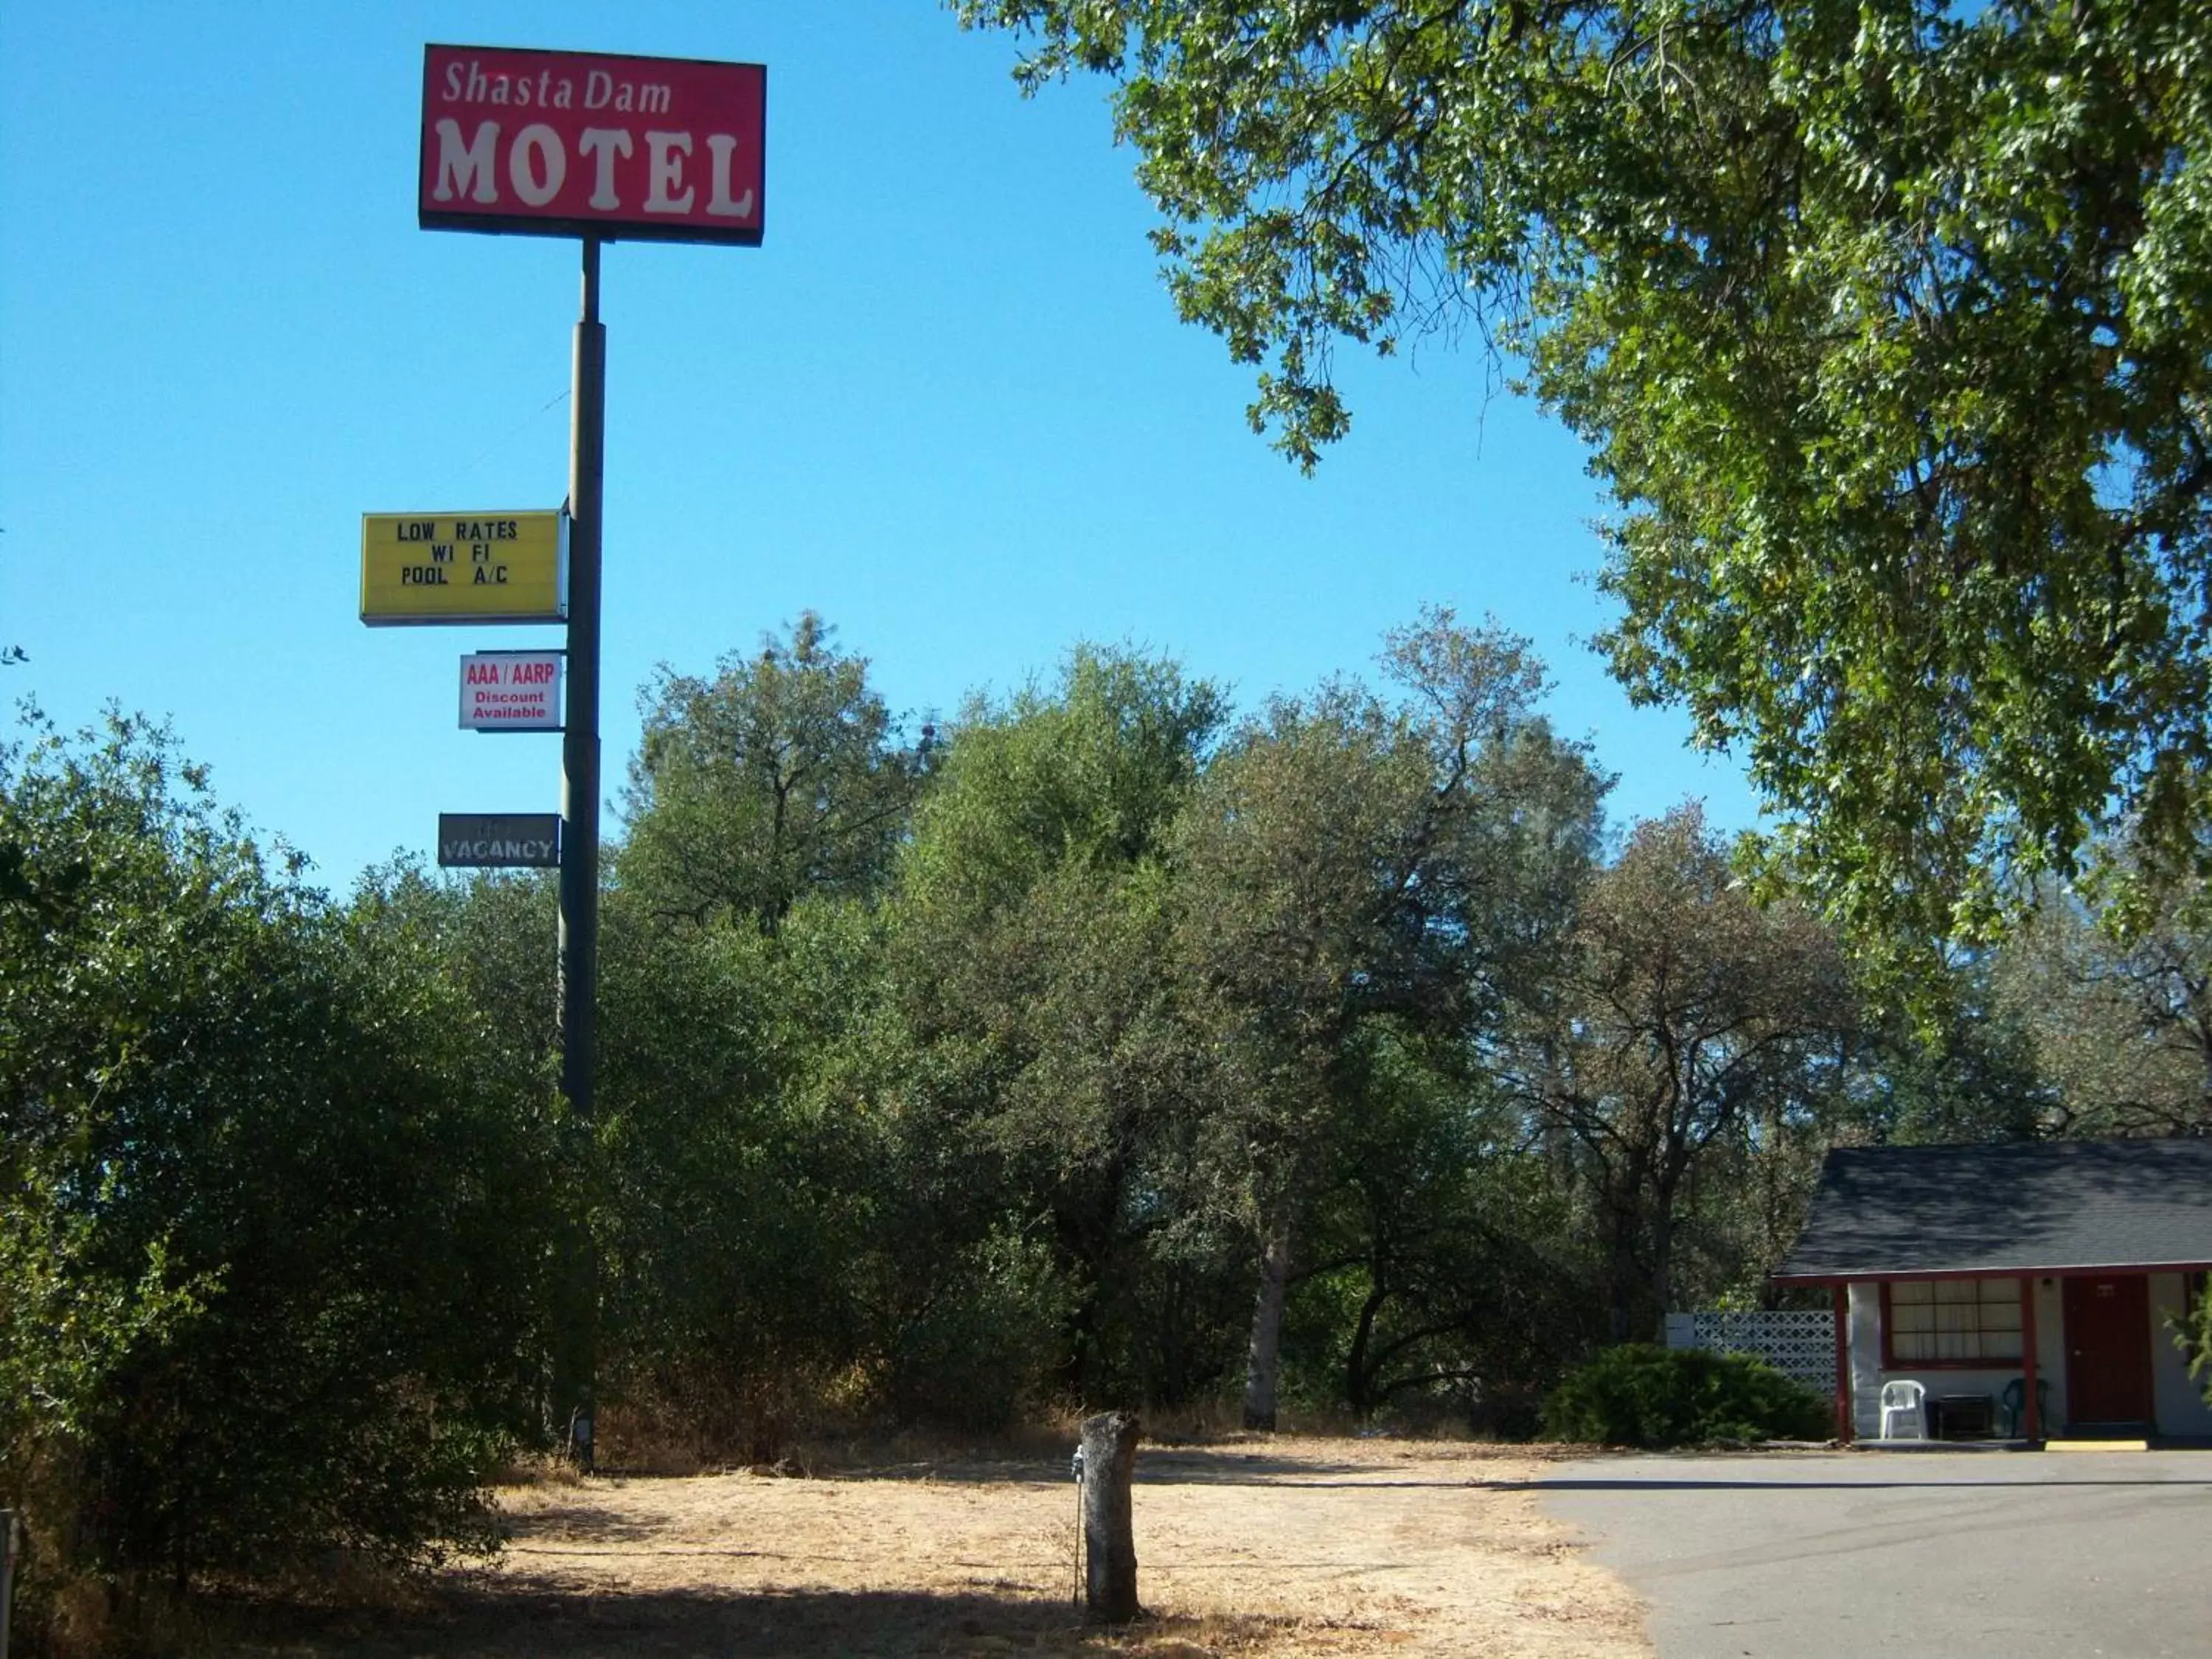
pixel 1109 1545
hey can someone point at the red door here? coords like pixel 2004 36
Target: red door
pixel 2108 1349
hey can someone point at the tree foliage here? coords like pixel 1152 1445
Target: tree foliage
pixel 1683 1021
pixel 733 1220
pixel 1440 1273
pixel 1044 1067
pixel 1888 327
pixel 1354 861
pixel 2120 1020
pixel 1327 1050
pixel 271 1247
pixel 781 776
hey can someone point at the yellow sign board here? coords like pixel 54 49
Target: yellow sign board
pixel 464 568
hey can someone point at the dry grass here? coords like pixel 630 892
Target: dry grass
pixel 1258 1547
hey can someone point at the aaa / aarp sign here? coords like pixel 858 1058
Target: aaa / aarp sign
pixel 464 566
pixel 511 691
pixel 565 143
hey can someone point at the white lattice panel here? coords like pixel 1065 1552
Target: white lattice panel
pixel 1798 1343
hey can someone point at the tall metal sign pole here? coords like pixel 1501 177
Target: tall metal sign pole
pixel 604 148
pixel 575 1356
pixel 580 748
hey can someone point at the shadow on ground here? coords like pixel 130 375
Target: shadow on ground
pixel 482 1621
pixel 580 1518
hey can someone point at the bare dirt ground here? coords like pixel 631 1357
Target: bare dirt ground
pixel 1268 1549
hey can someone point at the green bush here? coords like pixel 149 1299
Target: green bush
pixel 1641 1395
pixel 270 1232
pixel 982 1344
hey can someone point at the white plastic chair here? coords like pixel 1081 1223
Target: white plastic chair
pixel 1901 1403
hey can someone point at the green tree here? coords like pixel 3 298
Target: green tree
pixel 1888 325
pixel 489 935
pixel 781 776
pixel 272 1237
pixel 1683 1020
pixel 734 1221
pixel 2120 1027
pixel 1967 1074
pixel 766 809
pixel 1034 1044
pixel 1352 859
pixel 1439 1268
pixel 489 938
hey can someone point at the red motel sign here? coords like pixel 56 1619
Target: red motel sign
pixel 566 143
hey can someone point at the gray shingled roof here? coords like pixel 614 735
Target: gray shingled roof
pixel 2039 1207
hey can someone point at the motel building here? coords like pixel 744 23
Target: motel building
pixel 2026 1293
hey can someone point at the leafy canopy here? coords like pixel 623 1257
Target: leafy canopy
pixel 270 1235
pixel 1888 325
pixel 782 775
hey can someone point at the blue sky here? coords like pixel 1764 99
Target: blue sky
pixel 947 405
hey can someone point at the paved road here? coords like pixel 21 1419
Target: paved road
pixel 1951 1554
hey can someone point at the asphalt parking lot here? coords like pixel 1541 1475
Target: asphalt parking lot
pixel 2013 1555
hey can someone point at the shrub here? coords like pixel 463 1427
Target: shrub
pixel 270 1235
pixel 1641 1395
pixel 982 1344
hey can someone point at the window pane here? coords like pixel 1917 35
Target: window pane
pixel 1962 1322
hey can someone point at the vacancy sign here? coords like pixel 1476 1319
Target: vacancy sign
pixel 567 144
pixel 499 841
pixel 464 568
pixel 511 691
